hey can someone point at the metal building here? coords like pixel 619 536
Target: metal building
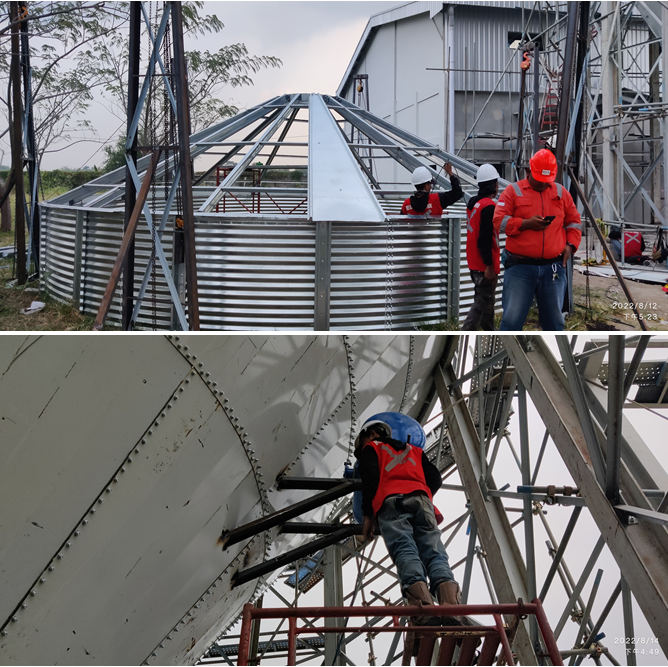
pixel 451 71
pixel 431 67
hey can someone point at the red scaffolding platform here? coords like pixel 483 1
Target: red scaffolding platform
pixel 494 637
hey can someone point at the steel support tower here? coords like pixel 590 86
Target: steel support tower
pixel 574 513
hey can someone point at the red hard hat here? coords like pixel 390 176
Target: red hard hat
pixel 543 166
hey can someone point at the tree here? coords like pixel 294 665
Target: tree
pixel 65 73
pixel 208 74
pixel 78 48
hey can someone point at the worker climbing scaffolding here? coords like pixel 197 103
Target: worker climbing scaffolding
pixel 398 485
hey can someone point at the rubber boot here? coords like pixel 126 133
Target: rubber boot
pixel 449 593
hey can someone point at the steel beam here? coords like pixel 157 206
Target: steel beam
pixel 496 536
pixel 185 164
pixel 615 404
pixel 638 549
pixel 230 537
pixel 291 556
pixel 127 302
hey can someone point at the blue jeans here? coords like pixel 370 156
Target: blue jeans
pixel 521 283
pixel 413 540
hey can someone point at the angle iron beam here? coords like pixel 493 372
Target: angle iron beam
pixel 637 458
pixel 627 610
pixel 632 370
pixel 459 163
pixel 273 564
pixel 402 156
pixel 636 549
pixel 241 166
pixel 230 537
pixel 266 122
pixel 223 130
pixel 148 79
pixel 134 57
pixel 586 421
pixel 634 179
pixel 529 545
pixel 148 217
pixel 313 528
pixel 316 483
pixel 167 7
pixel 614 425
pixel 496 536
pixel 185 164
pixel 128 236
pixel 158 233
pixel 479 368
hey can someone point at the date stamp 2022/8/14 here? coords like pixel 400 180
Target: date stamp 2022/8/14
pixel 640 645
pixel 630 309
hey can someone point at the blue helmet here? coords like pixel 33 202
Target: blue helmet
pixel 398 426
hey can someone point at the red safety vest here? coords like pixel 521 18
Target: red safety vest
pixel 632 244
pixel 473 256
pixel 400 472
pixel 433 210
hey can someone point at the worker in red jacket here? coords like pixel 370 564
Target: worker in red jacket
pixel 634 244
pixel 482 250
pixel 543 229
pixel 398 483
pixel 425 203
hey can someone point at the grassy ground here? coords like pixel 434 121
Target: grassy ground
pixel 55 316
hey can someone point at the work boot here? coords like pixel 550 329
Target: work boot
pixel 449 593
pixel 418 595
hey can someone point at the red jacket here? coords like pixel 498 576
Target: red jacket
pixel 520 201
pixel 473 256
pixel 400 472
pixel 433 210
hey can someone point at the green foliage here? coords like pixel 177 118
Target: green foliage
pixel 67 180
pixel 115 155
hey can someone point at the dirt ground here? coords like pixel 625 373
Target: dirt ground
pixel 610 305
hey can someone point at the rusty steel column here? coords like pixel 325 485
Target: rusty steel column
pixel 180 81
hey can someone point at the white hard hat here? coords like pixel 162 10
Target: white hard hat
pixel 421 175
pixel 487 173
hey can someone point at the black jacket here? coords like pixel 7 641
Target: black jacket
pixel 420 199
pixel 370 472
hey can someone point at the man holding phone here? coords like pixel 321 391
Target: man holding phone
pixel 543 229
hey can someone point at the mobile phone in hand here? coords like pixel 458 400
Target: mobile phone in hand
pixel 548 219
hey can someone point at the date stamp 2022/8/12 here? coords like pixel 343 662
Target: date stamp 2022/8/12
pixel 630 310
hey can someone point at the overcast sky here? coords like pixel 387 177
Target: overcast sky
pixel 314 39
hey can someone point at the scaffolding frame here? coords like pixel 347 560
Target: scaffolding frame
pixel 582 396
